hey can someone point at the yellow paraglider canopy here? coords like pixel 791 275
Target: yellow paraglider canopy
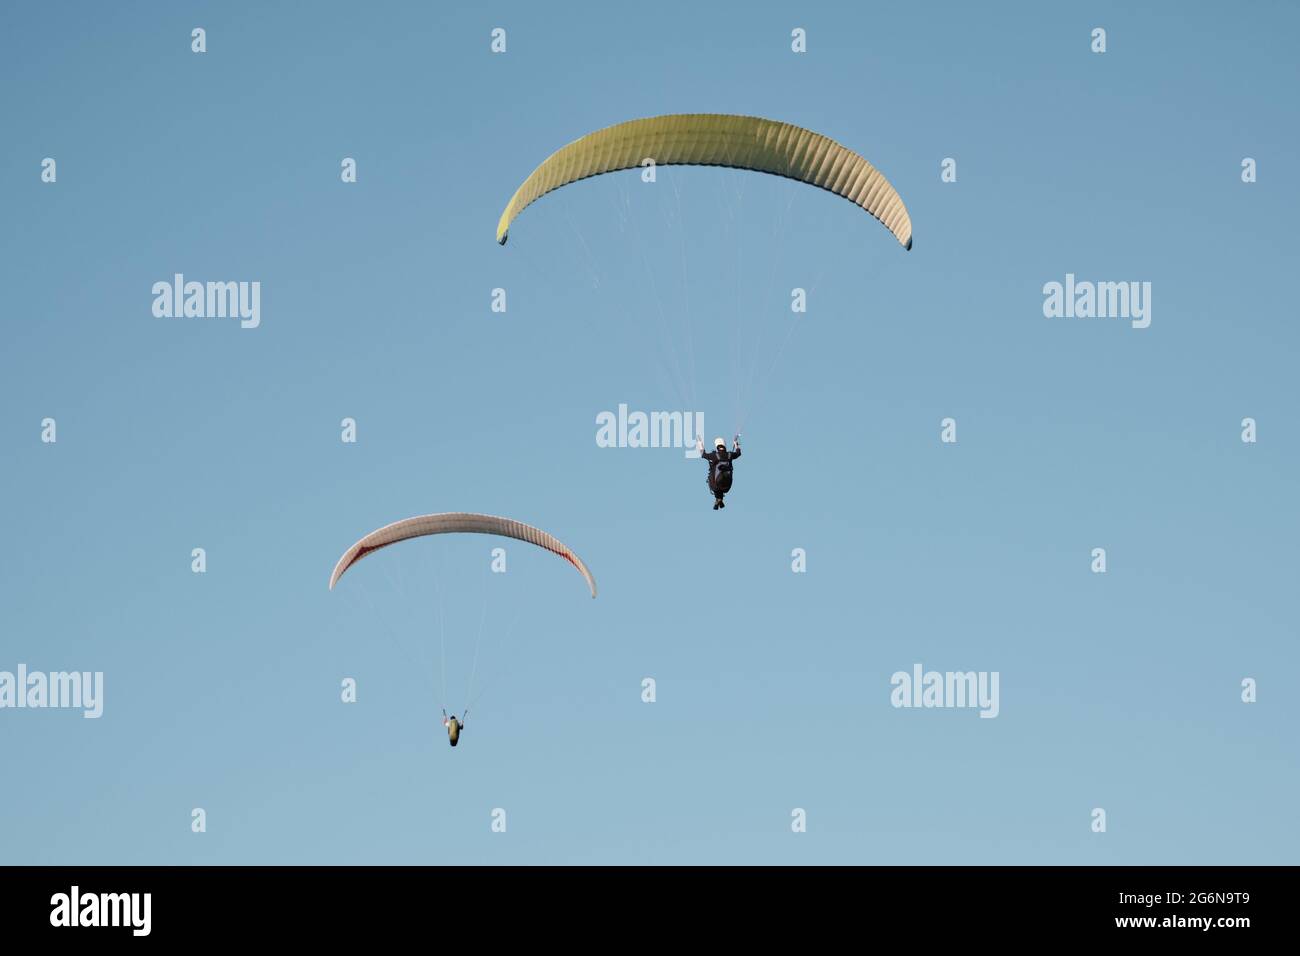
pixel 711 139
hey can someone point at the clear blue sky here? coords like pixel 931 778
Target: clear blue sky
pixel 1118 691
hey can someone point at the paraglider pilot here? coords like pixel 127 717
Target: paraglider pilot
pixel 720 471
pixel 454 727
